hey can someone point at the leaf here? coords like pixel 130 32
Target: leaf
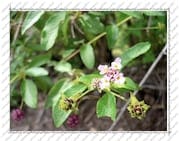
pixel 86 79
pixel 40 60
pixel 134 52
pixel 154 13
pixel 91 24
pixel 112 35
pixel 50 31
pixel 31 18
pixel 129 85
pixel 29 93
pixel 87 56
pixel 75 89
pixel 43 82
pixel 59 116
pixel 136 14
pixel 56 91
pixel 106 106
pixel 63 67
pixel 36 71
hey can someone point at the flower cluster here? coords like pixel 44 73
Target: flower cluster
pixel 73 121
pixel 111 74
pixel 17 114
pixel 137 109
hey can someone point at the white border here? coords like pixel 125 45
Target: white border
pixel 5 135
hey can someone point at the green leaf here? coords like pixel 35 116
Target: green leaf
pixel 40 60
pixel 136 14
pixel 36 71
pixel 59 116
pixel 56 91
pixel 154 13
pixel 29 93
pixel 86 79
pixel 63 67
pixel 75 89
pixel 91 24
pixel 129 85
pixel 106 106
pixel 31 18
pixel 87 56
pixel 43 82
pixel 134 52
pixel 50 31
pixel 112 35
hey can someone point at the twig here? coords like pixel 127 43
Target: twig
pixel 140 84
pixel 18 28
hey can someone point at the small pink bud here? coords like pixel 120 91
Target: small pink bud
pixel 17 114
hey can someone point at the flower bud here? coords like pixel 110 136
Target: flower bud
pixel 73 121
pixel 17 114
pixel 65 103
pixel 137 109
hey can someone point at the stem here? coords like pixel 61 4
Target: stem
pixel 119 96
pixel 22 103
pixel 145 28
pixel 84 94
pixel 14 78
pixel 94 39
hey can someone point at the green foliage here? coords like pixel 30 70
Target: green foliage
pixel 106 106
pixel 134 52
pixel 112 35
pixel 87 56
pixel 50 31
pixel 31 18
pixel 29 93
pixel 36 71
pixel 63 67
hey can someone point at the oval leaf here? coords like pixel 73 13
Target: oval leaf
pixel 134 52
pixel 106 106
pixel 63 67
pixel 36 71
pixel 112 35
pixel 29 93
pixel 40 60
pixel 136 14
pixel 31 18
pixel 87 56
pixel 50 31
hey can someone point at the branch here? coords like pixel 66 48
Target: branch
pixel 140 84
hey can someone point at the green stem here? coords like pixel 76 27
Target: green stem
pixel 84 94
pixel 95 39
pixel 22 103
pixel 14 78
pixel 119 96
pixel 145 28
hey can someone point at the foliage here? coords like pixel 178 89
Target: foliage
pixel 57 53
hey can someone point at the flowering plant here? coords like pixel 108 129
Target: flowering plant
pixel 43 44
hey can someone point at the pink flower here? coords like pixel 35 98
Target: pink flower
pixel 116 64
pixel 103 69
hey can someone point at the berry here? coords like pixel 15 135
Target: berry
pixel 17 114
pixel 73 121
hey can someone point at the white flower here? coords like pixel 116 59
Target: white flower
pixel 120 79
pixel 116 64
pixel 104 83
pixel 103 69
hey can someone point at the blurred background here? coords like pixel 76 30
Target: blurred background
pixel 80 27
